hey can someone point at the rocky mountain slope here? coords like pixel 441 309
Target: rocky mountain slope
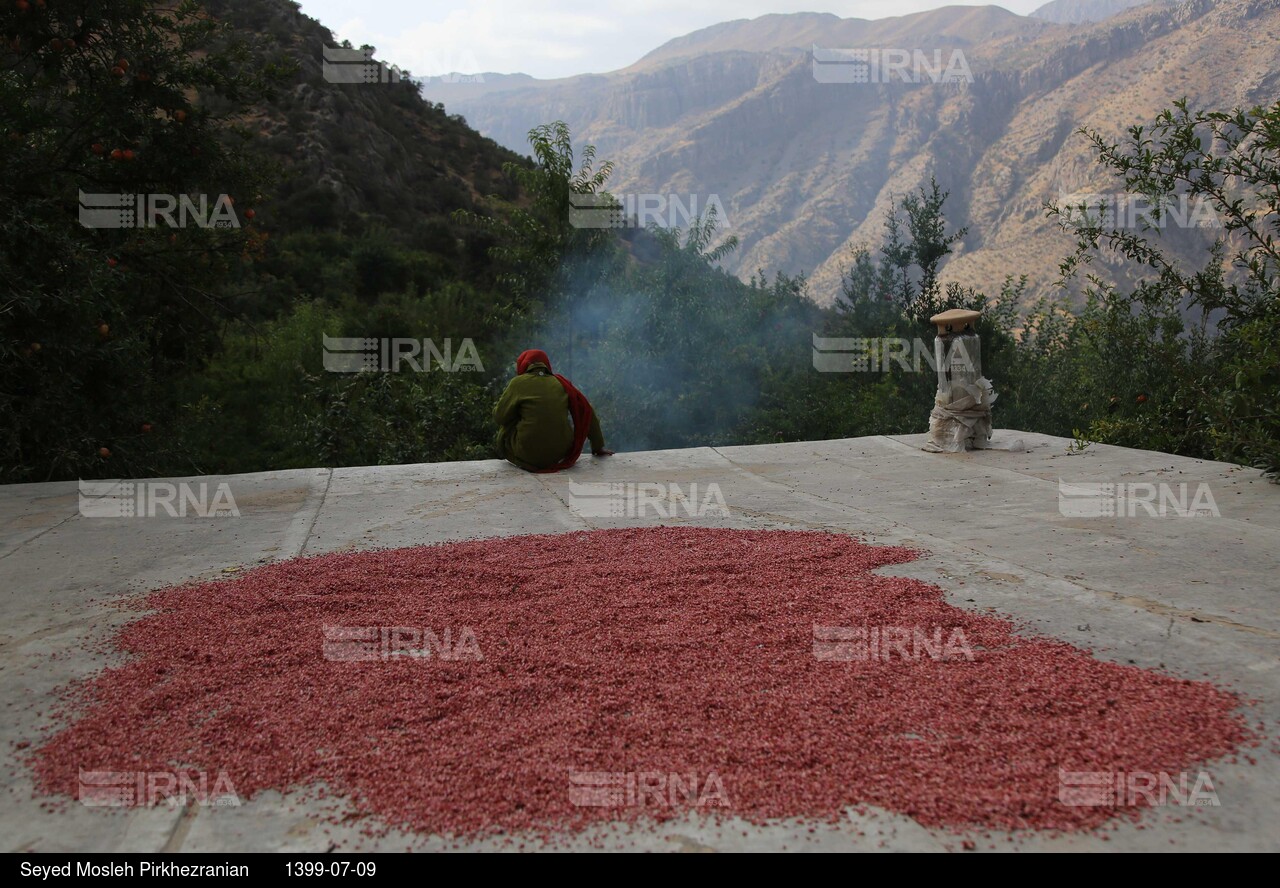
pixel 1072 12
pixel 806 169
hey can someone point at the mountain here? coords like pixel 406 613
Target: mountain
pixel 805 169
pixel 364 156
pixel 1074 12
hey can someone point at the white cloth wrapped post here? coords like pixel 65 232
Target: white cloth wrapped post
pixel 961 415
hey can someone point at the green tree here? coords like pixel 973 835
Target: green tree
pixel 1206 331
pixel 930 242
pixel 534 240
pixel 112 97
pixel 906 274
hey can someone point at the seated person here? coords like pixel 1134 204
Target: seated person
pixel 543 420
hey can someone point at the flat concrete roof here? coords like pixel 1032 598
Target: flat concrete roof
pixel 1188 595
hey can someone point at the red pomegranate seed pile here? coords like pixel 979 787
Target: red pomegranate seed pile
pixel 624 652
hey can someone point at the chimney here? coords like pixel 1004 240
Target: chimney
pixel 961 415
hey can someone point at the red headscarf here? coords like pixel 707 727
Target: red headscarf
pixel 579 407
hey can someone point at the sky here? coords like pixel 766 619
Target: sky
pixel 557 38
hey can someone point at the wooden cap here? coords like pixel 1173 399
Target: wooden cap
pixel 955 320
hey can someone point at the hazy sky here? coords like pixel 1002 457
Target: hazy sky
pixel 559 37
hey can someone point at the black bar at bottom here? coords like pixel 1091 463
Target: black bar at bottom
pixel 51 868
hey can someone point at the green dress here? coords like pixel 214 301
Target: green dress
pixel 535 431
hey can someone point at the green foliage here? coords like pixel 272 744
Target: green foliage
pixel 906 275
pixel 671 350
pixel 532 241
pixel 114 97
pixel 200 350
pixel 267 400
pixel 1208 386
pixel 1186 363
pixel 245 409
pixel 136 352
pixel 380 267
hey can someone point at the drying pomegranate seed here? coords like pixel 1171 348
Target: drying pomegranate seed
pixel 651 651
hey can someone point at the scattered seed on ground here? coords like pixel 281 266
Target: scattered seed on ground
pixel 633 654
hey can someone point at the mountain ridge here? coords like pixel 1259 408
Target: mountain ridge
pixel 807 170
pixel 1073 12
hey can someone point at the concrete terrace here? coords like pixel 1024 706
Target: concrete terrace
pixel 1193 596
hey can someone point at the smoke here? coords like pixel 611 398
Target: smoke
pixel 675 353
